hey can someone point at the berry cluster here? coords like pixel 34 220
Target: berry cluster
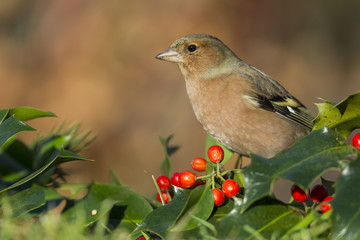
pixel 318 195
pixel 229 187
pixel 188 179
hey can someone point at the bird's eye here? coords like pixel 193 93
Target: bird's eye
pixel 192 48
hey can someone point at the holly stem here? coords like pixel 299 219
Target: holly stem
pixel 230 170
pixel 213 181
pixel 305 207
pixel 204 176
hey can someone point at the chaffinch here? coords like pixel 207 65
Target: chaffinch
pixel 238 105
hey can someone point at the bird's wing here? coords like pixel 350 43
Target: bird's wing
pixel 270 95
pixel 287 107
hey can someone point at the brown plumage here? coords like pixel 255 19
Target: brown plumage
pixel 238 105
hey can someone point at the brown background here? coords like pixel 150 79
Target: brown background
pixel 93 62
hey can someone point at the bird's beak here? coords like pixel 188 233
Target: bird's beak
pixel 170 55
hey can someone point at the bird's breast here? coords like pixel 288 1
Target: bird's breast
pixel 233 121
pixel 214 104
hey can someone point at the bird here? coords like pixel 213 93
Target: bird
pixel 241 107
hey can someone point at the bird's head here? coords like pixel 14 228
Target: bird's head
pixel 197 53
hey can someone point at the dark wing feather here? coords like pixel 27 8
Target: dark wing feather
pixel 287 107
pixel 270 95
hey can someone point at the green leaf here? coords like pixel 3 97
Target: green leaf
pixel 268 217
pixel 202 208
pixel 224 209
pixel 3 114
pixel 50 193
pixel 16 156
pixel 52 199
pixel 346 204
pixel 25 201
pixel 136 206
pixel 74 190
pixel 306 160
pixel 166 163
pixel 163 218
pixel 57 157
pixel 206 224
pixel 210 142
pixel 239 178
pixel 344 116
pixel 56 142
pixel 10 127
pixel 28 113
pixel 205 231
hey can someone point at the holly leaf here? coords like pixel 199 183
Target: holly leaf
pixel 57 157
pixel 343 116
pixel 25 201
pixel 3 114
pixel 28 113
pixel 305 161
pixel 128 207
pixel 266 219
pixel 10 127
pixel 346 205
pixel 16 156
pixel 163 218
pixel 203 206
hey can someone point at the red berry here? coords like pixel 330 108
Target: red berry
pixel 325 206
pixel 141 238
pixel 165 197
pixel 219 197
pixel 230 188
pixel 175 179
pixel 356 141
pixel 187 179
pixel 215 154
pixel 328 199
pixel 318 193
pixel 164 183
pixel 199 164
pixel 298 194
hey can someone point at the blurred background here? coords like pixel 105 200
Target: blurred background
pixel 93 62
